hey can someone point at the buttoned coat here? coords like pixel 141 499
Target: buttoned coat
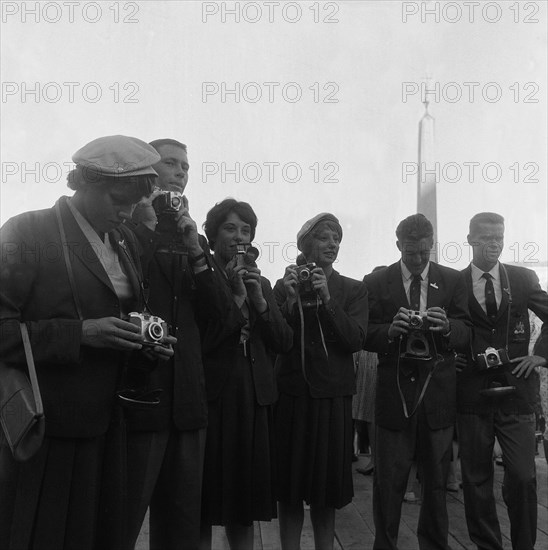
pixel 521 292
pixel 446 289
pixel 343 326
pixel 78 383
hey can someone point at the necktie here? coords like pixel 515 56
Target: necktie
pixel 415 293
pixel 490 300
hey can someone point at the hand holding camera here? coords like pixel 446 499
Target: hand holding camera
pixel 438 320
pixel 111 332
pixel 154 334
pixel 400 324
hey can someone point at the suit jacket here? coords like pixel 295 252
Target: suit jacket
pixel 186 301
pixel 269 335
pixel 446 289
pixel 511 325
pixel 344 325
pixel 78 383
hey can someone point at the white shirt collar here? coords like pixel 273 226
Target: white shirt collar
pixel 477 273
pixel 408 275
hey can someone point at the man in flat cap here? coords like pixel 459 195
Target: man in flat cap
pixel 418 316
pixel 166 445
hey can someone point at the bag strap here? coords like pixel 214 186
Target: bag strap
pixel 64 246
pixel 32 370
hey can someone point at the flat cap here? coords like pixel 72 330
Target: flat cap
pixel 117 156
pixel 309 226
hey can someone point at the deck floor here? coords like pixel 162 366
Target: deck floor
pixel 354 528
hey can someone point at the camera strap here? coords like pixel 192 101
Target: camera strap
pixel 64 246
pixel 509 292
pixel 301 319
pixel 439 359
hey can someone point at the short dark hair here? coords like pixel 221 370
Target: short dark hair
pixel 167 141
pixel 484 217
pixel 414 228
pixel 220 212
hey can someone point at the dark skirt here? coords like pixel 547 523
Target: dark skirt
pixel 239 457
pixel 51 502
pixel 314 450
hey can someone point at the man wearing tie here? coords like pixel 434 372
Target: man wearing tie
pixel 415 398
pixel 497 388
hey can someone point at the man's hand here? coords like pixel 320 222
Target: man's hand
pixel 163 352
pixel 526 365
pixel 460 362
pixel 438 319
pixel 400 324
pixel 144 211
pixel 186 226
pixel 111 332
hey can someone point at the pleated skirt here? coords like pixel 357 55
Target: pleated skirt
pixel 51 502
pixel 239 467
pixel 314 450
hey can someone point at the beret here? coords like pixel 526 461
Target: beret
pixel 309 226
pixel 117 156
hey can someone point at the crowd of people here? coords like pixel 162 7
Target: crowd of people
pixel 176 379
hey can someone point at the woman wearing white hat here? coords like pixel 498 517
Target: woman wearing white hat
pixel 313 416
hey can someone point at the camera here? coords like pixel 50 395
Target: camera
pixel 153 329
pixel 497 380
pixel 307 294
pixel 417 345
pixel 167 205
pixel 246 255
pixel 492 358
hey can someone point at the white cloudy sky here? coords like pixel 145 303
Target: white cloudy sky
pixel 151 70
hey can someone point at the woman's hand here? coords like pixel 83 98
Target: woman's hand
pixel 252 281
pixel 186 226
pixel 319 284
pixel 234 273
pixel 290 281
pixel 111 332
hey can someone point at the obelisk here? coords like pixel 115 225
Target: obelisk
pixel 426 185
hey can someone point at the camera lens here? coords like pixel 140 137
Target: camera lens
pixel 415 321
pixel 492 358
pixel 176 202
pixel 155 331
pixel 304 275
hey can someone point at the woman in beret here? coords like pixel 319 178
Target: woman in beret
pixel 74 306
pixel 313 416
pixel 238 358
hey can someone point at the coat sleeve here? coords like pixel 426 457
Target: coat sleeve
pixel 53 340
pixel 459 317
pixel 349 321
pixel 277 334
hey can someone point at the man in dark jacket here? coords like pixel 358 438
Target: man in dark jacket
pixel 415 398
pixel 497 389
pixel 166 442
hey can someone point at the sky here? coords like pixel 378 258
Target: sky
pixel 296 107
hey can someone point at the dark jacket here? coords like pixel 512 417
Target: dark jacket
pixel 185 301
pixel 512 325
pixel 269 335
pixel 344 325
pixel 77 383
pixel 386 295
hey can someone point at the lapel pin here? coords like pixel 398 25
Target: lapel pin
pixel 434 285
